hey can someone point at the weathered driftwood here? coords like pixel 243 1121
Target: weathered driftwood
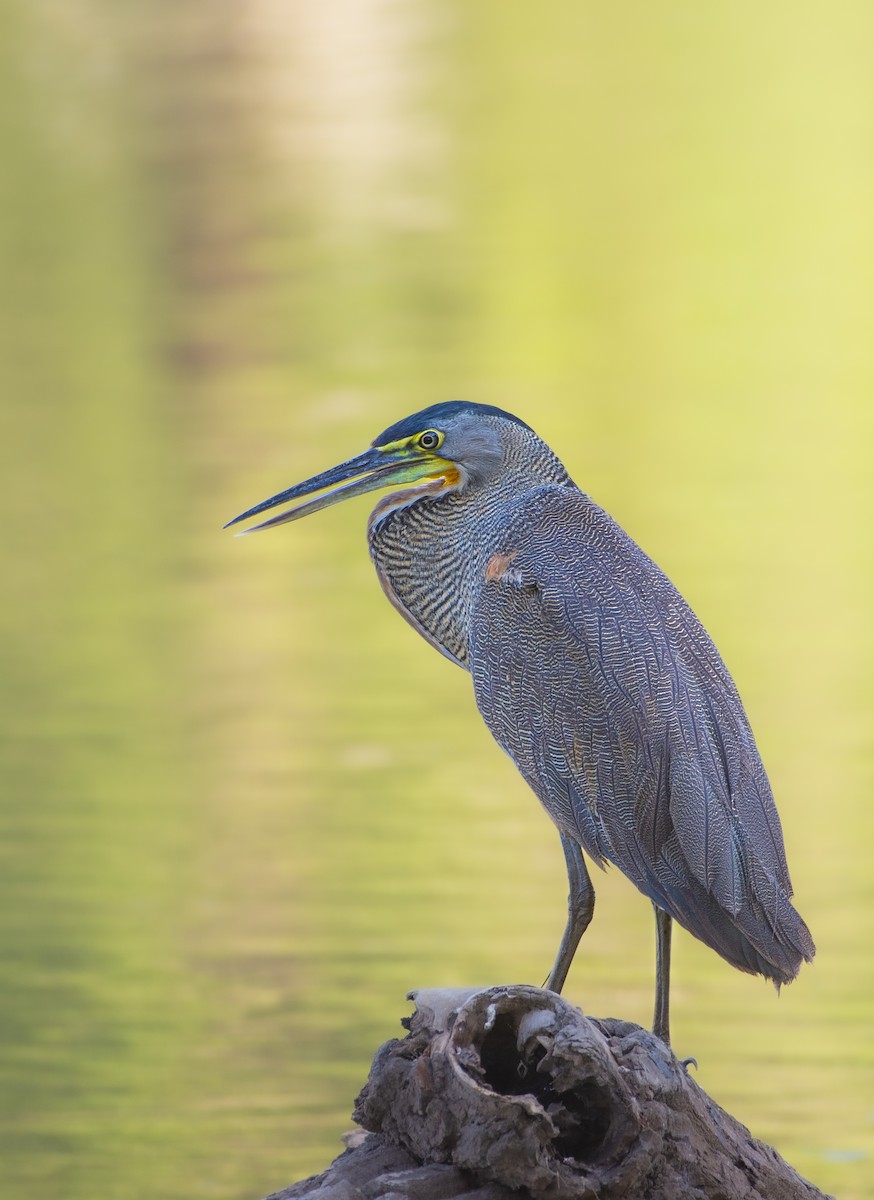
pixel 511 1092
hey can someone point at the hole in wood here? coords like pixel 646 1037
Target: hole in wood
pixel 582 1114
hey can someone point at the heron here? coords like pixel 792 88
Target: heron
pixel 590 670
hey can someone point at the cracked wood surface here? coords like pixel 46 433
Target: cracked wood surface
pixel 512 1092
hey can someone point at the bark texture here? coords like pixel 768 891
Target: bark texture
pixel 512 1092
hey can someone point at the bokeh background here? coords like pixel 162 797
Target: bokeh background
pixel 244 808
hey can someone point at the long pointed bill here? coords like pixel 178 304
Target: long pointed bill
pixel 375 468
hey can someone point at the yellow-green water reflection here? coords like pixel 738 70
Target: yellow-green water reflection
pixel 244 808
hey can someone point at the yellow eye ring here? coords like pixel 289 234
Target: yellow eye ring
pixel 430 439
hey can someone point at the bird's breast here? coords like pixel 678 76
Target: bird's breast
pixel 435 556
pixel 427 557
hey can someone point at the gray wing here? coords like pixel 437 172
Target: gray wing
pixel 598 680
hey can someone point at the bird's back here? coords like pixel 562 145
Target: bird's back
pixel 599 681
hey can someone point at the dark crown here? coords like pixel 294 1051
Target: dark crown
pixel 437 415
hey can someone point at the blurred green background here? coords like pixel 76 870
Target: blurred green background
pixel 244 807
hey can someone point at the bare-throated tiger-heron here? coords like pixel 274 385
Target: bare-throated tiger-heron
pixel 591 672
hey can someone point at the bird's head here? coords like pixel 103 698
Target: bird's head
pixel 447 447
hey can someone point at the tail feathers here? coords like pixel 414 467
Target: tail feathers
pixel 774 912
pixel 766 936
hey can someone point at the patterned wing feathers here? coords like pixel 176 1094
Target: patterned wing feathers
pixel 603 686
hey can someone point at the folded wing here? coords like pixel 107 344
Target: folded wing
pixel 597 678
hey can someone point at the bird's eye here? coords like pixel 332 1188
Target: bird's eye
pixel 430 439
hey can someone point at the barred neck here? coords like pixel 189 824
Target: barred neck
pixel 431 554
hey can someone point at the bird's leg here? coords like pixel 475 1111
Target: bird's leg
pixel 661 1021
pixel 580 906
